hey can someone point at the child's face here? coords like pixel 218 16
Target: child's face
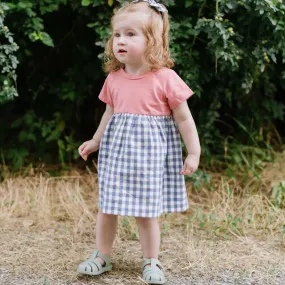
pixel 129 42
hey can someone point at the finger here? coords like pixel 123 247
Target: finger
pixel 87 150
pixel 183 169
pixel 84 152
pixel 193 170
pixel 82 155
pixel 85 155
pixel 188 171
pixel 81 148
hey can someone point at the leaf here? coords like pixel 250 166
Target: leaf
pixel 85 2
pixel 188 3
pixel 110 2
pixel 46 39
pixel 125 222
pixel 229 5
pixel 273 57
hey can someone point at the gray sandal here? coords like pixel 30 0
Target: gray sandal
pixel 91 266
pixel 153 274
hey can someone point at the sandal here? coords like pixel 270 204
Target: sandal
pixel 92 266
pixel 153 274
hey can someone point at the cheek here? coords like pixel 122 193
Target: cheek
pixel 141 46
pixel 143 42
pixel 137 50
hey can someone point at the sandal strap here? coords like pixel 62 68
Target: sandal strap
pixel 99 254
pixel 153 263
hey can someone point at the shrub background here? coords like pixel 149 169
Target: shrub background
pixel 231 53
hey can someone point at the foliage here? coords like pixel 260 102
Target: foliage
pixel 278 194
pixel 8 61
pixel 231 53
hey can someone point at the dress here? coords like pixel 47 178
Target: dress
pixel 140 155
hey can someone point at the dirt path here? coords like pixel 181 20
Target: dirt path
pixel 33 257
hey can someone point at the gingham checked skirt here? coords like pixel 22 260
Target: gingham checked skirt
pixel 139 164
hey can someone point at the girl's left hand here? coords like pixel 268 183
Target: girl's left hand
pixel 190 165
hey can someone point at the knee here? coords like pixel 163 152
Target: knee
pixel 146 221
pixel 107 216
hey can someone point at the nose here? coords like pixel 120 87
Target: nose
pixel 121 40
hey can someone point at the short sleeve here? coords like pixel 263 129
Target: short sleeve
pixel 177 91
pixel 106 94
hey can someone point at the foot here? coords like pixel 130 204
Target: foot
pixel 95 265
pixel 101 261
pixel 153 272
pixel 149 264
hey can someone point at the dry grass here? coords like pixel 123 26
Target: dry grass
pixel 232 235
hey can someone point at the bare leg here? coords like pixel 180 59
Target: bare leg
pixel 106 228
pixel 149 232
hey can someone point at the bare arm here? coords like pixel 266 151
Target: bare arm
pixel 188 130
pixel 93 145
pixel 104 122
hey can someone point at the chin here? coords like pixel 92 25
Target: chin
pixel 119 59
pixel 123 61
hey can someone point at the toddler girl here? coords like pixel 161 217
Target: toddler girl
pixel 140 167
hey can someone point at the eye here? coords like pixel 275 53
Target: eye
pixel 131 34
pixel 116 35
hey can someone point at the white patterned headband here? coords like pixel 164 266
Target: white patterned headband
pixel 153 4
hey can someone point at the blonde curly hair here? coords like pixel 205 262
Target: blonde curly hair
pixel 156 31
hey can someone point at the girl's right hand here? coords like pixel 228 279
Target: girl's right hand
pixel 88 147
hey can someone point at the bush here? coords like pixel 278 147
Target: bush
pixel 230 52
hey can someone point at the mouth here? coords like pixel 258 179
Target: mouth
pixel 121 51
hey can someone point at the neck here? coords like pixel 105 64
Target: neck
pixel 136 70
